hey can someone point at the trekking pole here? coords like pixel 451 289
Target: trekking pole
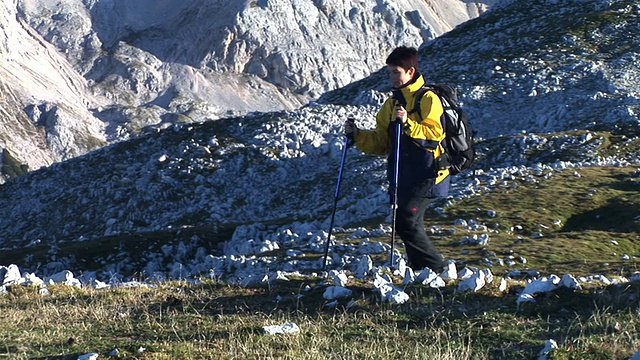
pixel 347 143
pixel 394 188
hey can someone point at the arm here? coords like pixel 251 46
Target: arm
pixel 376 141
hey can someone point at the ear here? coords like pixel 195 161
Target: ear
pixel 411 71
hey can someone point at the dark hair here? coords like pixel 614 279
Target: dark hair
pixel 405 57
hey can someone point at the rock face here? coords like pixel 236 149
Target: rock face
pixel 302 45
pixel 75 75
pixel 44 102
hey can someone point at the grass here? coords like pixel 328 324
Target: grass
pixel 216 321
pixel 587 219
pixel 212 320
pixel 11 167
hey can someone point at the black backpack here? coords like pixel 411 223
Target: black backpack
pixel 459 152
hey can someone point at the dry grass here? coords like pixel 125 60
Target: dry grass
pixel 212 320
pixel 217 321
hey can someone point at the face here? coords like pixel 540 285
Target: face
pixel 400 76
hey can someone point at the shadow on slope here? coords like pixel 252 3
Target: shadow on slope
pixel 616 206
pixel 578 221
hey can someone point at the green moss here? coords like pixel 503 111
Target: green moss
pixel 11 167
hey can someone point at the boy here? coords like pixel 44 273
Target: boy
pixel 419 178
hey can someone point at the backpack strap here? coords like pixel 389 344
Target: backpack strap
pixel 425 144
pixel 443 92
pixel 418 98
pixel 398 96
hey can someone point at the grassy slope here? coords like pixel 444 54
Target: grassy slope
pixel 578 212
pixel 180 321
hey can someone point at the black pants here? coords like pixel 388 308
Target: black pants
pixel 410 227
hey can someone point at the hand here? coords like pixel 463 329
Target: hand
pixel 401 114
pixel 350 129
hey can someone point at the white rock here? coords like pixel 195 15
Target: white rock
pixel 337 292
pixel 503 285
pixel 483 239
pixel 543 284
pixel 44 291
pixel 379 280
pixel 340 279
pixel 599 277
pixel 409 276
pixel 570 282
pixel 400 266
pixel 278 275
pixel 288 328
pixel 426 276
pixel 97 284
pixel 32 279
pixel 465 273
pixel 368 247
pixel 549 346
pixel 488 276
pixel 364 267
pixel 90 356
pixel 450 272
pixel 473 283
pixel 438 282
pixel 390 293
pixel 460 222
pixel 10 275
pixel 64 277
pixel 525 298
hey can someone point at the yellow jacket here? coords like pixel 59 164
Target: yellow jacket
pixel 426 131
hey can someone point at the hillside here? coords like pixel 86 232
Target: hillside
pixel 279 168
pixel 536 67
pixel 197 239
pixel 78 75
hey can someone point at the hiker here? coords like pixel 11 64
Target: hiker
pixel 419 181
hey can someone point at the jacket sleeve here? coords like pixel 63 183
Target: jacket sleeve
pixel 429 127
pixel 376 141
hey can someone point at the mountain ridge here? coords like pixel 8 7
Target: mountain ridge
pixel 89 73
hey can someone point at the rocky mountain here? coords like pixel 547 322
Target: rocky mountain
pixel 547 85
pixel 44 101
pixel 77 75
pixel 539 67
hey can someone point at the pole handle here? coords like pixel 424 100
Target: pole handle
pixel 350 137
